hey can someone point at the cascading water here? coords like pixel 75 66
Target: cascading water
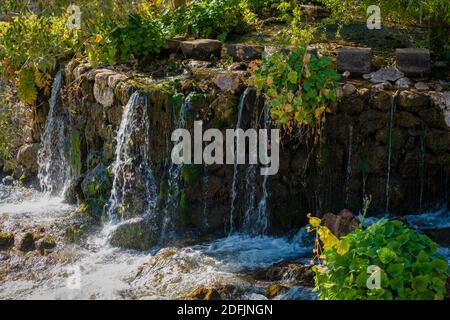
pixel 236 167
pixel 348 173
pixel 54 169
pixel 132 164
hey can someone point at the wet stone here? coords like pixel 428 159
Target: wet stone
pixel 403 83
pixel 244 52
pixel 386 74
pixel 202 49
pixel 421 86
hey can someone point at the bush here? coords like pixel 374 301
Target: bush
pixel 208 18
pixel 298 87
pixel 410 266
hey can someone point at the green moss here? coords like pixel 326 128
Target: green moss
pixel 163 189
pixel 6 240
pixel 72 234
pixel 75 152
pixel 274 290
pixel 190 174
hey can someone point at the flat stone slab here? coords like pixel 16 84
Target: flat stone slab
pixel 385 74
pixel 355 60
pixel 413 61
pixel 244 52
pixel 202 49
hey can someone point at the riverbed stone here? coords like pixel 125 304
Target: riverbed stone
pixel 27 242
pixel 27 157
pixel 357 61
pixel 204 294
pixel 46 244
pixel 8 181
pixel 203 49
pixel 413 61
pixel 137 234
pixel 6 241
pixel 244 52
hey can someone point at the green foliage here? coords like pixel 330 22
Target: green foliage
pixel 139 36
pixel 298 86
pixel 410 267
pixel 11 128
pixel 208 18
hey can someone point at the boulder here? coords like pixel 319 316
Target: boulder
pixel 340 224
pixel 413 61
pixel 413 102
pixel 348 89
pixel 27 242
pixel 442 101
pixel 103 93
pixel 202 49
pixel 403 83
pixel 422 86
pixel 46 244
pixel 357 61
pixel 96 183
pixel 274 290
pixel 136 234
pixel 8 181
pixel 6 241
pixel 244 52
pixel 407 120
pixel 227 82
pixel 27 157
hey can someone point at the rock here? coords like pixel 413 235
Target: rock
pixel 103 93
pixel 382 86
pixel 434 118
pixel 274 290
pixel 341 224
pixel 137 234
pixel 403 83
pixel 244 52
pixel 237 66
pixel 386 74
pixel 27 157
pixel 422 86
pixel 203 49
pixel 6 241
pixel 2 165
pixel 204 294
pixel 355 60
pixel 46 244
pixel 290 271
pixel 348 89
pixel 174 44
pixel 345 75
pixel 96 183
pixel 439 235
pixel 8 181
pixel 413 61
pixel 442 101
pixel 19 172
pixel 381 100
pixel 26 242
pixel 437 141
pixel 227 82
pixel 412 101
pixel 368 76
pixel 407 120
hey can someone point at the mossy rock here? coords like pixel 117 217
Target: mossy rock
pixel 204 294
pixel 27 242
pixel 75 153
pixel 137 235
pixel 437 141
pixel 96 183
pixel 274 290
pixel 6 241
pixel 46 244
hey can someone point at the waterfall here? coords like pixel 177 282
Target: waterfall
pixel 262 221
pixel 54 169
pixel 131 164
pixel 205 182
pixel 236 168
pixel 389 162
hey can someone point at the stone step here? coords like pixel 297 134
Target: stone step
pixel 201 49
pixel 413 61
pixel 357 61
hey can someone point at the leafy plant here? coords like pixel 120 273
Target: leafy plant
pixel 408 262
pixel 298 86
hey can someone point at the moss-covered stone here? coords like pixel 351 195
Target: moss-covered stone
pixel 75 153
pixel 46 244
pixel 137 235
pixel 274 290
pixel 6 241
pixel 204 294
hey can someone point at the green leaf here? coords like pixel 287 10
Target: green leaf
pixel 440 265
pixel 293 77
pixel 343 247
pixel 386 255
pixel 420 283
pixel 423 257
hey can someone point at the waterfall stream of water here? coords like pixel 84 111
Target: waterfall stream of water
pixel 54 169
pixel 130 163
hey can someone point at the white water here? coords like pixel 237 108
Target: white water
pixel 124 168
pixel 54 169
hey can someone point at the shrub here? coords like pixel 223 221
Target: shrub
pixel 208 18
pixel 298 87
pixel 410 267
